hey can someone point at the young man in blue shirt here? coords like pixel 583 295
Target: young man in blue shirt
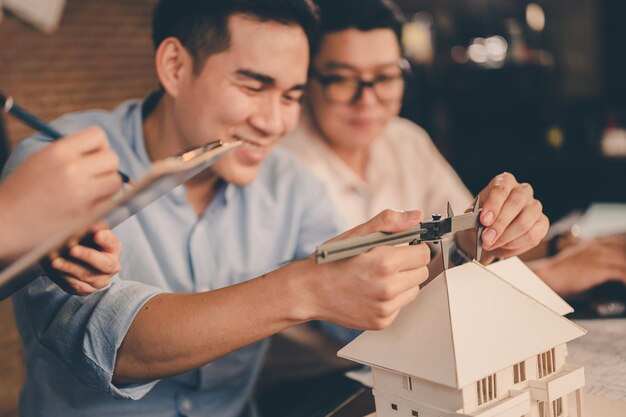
pixel 182 329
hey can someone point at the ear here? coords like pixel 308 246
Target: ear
pixel 174 65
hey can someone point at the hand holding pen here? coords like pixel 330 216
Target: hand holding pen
pixel 54 189
pixel 29 119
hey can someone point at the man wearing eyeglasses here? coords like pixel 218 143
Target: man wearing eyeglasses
pixel 351 137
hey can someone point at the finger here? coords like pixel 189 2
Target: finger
pixel 71 268
pixel 104 162
pixel 387 260
pixel 80 273
pixel 494 196
pixel 404 298
pixel 91 139
pixel 528 240
pixel 108 242
pixel 523 228
pixel 387 221
pixel 77 287
pixel 94 259
pixel 411 279
pixel 104 187
pixel 517 199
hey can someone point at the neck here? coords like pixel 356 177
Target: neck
pixel 160 133
pixel 162 140
pixel 355 158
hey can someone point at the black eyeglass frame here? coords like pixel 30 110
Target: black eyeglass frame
pixel 325 81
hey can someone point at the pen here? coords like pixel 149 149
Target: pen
pixel 29 119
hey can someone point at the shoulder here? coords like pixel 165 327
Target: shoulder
pixel 405 132
pixel 282 169
pixel 111 121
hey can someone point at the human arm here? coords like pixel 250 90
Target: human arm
pixel 174 333
pixel 54 188
pixel 584 265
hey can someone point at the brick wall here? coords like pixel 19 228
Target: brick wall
pixel 101 55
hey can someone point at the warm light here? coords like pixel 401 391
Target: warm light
pixel 490 52
pixel 555 137
pixel 535 17
pixel 477 51
pixel 496 48
pixel 417 38
pixel 459 54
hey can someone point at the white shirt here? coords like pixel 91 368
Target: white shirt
pixel 405 171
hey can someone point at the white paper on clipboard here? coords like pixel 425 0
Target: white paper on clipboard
pixel 162 177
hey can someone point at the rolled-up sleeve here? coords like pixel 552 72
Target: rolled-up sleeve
pixel 83 332
pixel 86 332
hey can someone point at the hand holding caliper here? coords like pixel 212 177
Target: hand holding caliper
pixel 436 230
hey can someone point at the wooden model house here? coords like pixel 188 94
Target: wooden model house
pixel 481 342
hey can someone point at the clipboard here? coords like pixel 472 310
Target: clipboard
pixel 162 177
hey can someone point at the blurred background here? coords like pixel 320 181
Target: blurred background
pixel 534 88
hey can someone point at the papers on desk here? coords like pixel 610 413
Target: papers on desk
pixel 602 219
pixel 602 351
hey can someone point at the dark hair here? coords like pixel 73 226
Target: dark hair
pixel 364 15
pixel 202 25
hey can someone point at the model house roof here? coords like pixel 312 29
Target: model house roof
pixel 516 273
pixel 467 324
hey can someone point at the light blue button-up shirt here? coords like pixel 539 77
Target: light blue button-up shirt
pixel 71 342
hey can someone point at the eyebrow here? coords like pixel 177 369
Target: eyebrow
pixel 265 79
pixel 342 65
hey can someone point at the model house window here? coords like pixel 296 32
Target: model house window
pixel 415 413
pixel 407 383
pixel 546 363
pixel 542 409
pixel 557 408
pixel 486 389
pixel 394 407
pixel 519 372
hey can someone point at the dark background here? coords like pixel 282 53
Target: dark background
pixel 488 120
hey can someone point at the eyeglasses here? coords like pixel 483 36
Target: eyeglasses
pixel 387 86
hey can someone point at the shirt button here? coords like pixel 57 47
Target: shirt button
pixel 186 404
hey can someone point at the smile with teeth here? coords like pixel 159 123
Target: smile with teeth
pixel 252 149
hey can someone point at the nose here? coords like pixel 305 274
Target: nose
pixel 269 118
pixel 367 97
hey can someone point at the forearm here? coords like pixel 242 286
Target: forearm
pixel 175 333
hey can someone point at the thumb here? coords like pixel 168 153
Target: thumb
pixel 387 221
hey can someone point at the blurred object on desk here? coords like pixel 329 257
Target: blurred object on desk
pixel 600 220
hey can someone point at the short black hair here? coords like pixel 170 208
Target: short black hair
pixel 202 25
pixel 364 15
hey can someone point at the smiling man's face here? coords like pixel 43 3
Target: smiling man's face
pixel 250 92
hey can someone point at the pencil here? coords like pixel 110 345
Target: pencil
pixel 29 119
